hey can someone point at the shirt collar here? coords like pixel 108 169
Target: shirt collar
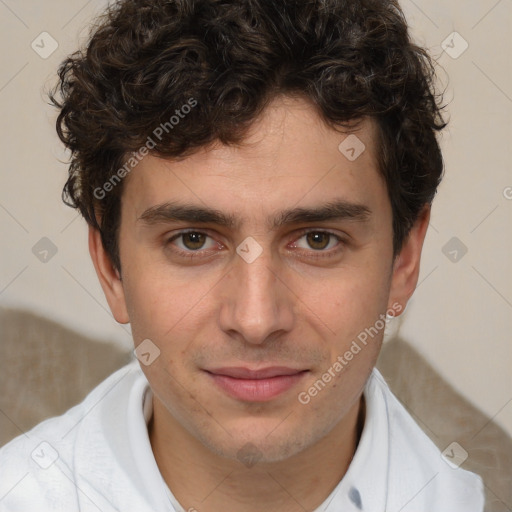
pixel 364 486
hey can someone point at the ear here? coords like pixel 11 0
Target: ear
pixel 406 267
pixel 110 278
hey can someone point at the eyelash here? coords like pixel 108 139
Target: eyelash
pixel 311 253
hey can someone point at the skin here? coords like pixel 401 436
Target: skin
pixel 299 304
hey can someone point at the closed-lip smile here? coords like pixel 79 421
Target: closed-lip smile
pixel 255 385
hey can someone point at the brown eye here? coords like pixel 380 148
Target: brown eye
pixel 192 245
pixel 318 240
pixel 193 240
pixel 319 243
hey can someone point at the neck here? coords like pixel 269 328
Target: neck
pixel 206 482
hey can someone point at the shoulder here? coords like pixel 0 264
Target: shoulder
pixel 37 468
pixel 420 477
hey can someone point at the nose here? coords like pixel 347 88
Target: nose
pixel 256 305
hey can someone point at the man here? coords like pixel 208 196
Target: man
pixel 257 177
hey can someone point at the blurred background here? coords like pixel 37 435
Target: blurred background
pixel 460 317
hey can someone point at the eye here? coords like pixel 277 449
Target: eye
pixel 317 240
pixel 192 241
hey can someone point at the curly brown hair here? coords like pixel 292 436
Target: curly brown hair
pixel 147 58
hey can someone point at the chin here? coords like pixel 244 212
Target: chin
pixel 258 445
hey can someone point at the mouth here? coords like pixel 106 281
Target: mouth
pixel 260 385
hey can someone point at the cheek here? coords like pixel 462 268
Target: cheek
pixel 160 303
pixel 352 300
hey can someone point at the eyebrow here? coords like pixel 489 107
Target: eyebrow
pixel 334 210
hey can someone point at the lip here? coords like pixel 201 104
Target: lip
pixel 259 385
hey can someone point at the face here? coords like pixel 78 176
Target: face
pixel 253 269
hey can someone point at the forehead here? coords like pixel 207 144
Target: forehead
pixel 289 157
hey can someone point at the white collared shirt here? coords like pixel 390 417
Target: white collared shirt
pixel 98 457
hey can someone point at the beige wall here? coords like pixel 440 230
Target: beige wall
pixel 460 317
